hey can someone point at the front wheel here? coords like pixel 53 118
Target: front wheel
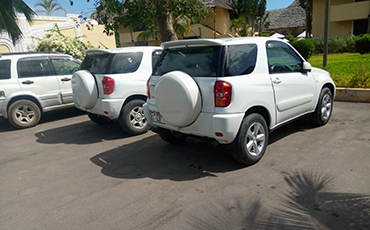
pixel 324 108
pixel 24 114
pixel 132 119
pixel 252 140
pixel 98 119
pixel 171 137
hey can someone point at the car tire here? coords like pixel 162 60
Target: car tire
pixel 324 108
pixel 252 140
pixel 171 137
pixel 99 119
pixel 85 91
pixel 132 119
pixel 178 98
pixel 24 114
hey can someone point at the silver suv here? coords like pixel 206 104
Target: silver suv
pixel 32 83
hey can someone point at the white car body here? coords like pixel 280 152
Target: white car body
pixel 88 88
pixel 43 79
pixel 279 97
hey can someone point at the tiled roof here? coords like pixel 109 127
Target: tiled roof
pixel 292 16
pixel 224 4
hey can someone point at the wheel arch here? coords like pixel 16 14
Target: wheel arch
pixel 23 97
pixel 262 111
pixel 330 86
pixel 134 97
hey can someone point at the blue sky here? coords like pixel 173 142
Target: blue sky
pixel 85 8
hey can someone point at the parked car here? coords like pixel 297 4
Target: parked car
pixel 32 83
pixel 234 91
pixel 111 85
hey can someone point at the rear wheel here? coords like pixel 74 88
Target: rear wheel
pixel 251 140
pixel 171 137
pixel 98 119
pixel 24 114
pixel 132 119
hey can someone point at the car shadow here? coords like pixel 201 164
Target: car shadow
pixel 81 133
pixel 46 117
pixel 152 157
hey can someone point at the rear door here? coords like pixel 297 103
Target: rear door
pixel 64 68
pixel 36 77
pixel 294 88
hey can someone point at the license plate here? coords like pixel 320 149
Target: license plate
pixel 157 117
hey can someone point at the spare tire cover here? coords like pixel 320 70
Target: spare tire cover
pixel 84 89
pixel 178 98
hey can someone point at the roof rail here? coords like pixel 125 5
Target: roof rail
pixel 20 53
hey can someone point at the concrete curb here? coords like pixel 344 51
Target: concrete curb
pixel 352 94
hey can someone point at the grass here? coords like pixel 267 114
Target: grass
pixel 347 70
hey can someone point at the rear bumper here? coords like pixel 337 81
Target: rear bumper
pixel 206 125
pixel 110 108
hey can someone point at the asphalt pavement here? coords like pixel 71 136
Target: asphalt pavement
pixel 69 173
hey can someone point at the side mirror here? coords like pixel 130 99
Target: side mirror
pixel 306 67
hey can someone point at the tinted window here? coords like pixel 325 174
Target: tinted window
pixel 155 57
pixel 195 61
pixel 95 63
pixel 282 58
pixel 240 59
pixel 126 62
pixel 65 66
pixel 4 69
pixel 34 68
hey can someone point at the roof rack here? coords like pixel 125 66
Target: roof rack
pixel 20 53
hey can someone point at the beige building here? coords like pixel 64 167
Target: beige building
pixel 69 26
pixel 216 26
pixel 346 17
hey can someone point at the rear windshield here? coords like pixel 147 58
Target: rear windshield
pixel 4 69
pixel 195 61
pixel 112 63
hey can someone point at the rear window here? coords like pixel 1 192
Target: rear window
pixel 195 61
pixel 112 63
pixel 240 59
pixel 4 69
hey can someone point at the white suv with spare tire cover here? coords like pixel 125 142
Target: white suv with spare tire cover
pixel 110 85
pixel 34 82
pixel 234 91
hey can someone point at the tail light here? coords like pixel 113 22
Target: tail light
pixel 108 85
pixel 148 89
pixel 222 94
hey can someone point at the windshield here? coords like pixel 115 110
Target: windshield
pixel 195 61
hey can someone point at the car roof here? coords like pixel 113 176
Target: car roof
pixel 216 42
pixel 123 49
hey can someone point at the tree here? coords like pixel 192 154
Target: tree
pixel 49 6
pixel 168 16
pixel 240 25
pixel 307 6
pixel 252 9
pixel 8 10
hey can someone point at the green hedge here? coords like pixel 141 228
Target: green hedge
pixel 363 44
pixel 305 47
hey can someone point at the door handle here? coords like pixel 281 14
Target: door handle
pixel 28 82
pixel 276 81
pixel 66 79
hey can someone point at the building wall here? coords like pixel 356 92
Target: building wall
pixel 69 26
pixel 341 16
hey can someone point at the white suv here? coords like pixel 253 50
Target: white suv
pixel 32 83
pixel 234 91
pixel 111 85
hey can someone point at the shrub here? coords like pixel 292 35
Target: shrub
pixel 361 79
pixel 363 44
pixel 319 44
pixel 305 47
pixel 290 38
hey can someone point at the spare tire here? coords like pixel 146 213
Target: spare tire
pixel 85 92
pixel 178 98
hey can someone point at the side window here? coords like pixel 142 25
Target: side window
pixel 282 58
pixel 34 68
pixel 4 69
pixel 65 66
pixel 240 59
pixel 126 62
pixel 155 57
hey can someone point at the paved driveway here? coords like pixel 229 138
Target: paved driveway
pixel 68 173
